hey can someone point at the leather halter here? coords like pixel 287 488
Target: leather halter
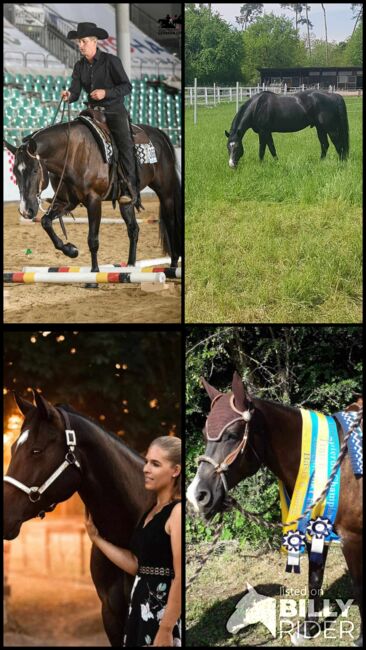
pixel 221 468
pixel 35 493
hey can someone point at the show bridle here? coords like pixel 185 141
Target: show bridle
pixel 221 468
pixel 34 493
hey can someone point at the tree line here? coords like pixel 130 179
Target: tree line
pixel 217 52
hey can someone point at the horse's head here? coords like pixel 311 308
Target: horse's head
pixel 31 177
pixel 234 147
pixel 232 439
pixel 43 470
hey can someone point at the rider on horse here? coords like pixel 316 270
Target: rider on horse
pixel 103 77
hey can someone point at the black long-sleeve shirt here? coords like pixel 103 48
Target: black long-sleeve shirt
pixel 106 72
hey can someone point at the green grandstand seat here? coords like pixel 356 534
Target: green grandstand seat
pixel 8 78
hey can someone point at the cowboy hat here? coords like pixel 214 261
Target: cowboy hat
pixel 88 29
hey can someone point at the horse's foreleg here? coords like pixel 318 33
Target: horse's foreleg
pixel 271 146
pixel 94 207
pixel 262 145
pixel 310 627
pixel 324 143
pixel 352 551
pixel 68 249
pixel 129 217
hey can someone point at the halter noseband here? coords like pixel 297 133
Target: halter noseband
pixel 35 493
pixel 221 468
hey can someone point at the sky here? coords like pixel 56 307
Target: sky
pixel 339 18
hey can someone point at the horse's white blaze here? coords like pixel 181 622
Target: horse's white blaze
pixel 231 163
pixel 191 492
pixel 22 438
pixel 22 206
pixel 21 168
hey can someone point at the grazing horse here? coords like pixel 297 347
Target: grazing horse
pixel 268 112
pixel 272 438
pixel 60 452
pixel 86 180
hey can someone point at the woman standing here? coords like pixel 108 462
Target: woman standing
pixel 155 555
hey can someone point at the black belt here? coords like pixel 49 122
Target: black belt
pixel 156 571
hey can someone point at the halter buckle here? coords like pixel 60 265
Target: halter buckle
pixel 70 437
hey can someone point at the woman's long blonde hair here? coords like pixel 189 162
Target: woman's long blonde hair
pixel 173 449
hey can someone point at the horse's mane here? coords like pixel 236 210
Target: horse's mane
pixel 239 116
pixel 70 409
pixel 283 407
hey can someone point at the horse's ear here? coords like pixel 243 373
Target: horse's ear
pixel 48 412
pixel 32 146
pixel 210 390
pixel 23 404
pixel 226 133
pixel 240 397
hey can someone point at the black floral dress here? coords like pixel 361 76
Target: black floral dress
pixel 149 596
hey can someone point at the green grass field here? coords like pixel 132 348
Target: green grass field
pixel 272 241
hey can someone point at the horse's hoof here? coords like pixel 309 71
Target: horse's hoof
pixel 91 285
pixel 358 643
pixel 298 639
pixel 70 250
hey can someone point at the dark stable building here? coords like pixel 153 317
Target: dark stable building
pixel 341 78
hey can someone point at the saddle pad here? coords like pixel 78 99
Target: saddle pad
pixel 354 444
pixel 146 153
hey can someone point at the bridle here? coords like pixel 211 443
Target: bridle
pixel 221 468
pixel 34 493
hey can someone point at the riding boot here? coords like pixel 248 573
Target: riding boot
pixel 128 184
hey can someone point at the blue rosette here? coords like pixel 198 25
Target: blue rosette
pixel 294 542
pixel 318 529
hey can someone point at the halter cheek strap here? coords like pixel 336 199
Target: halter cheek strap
pixel 221 468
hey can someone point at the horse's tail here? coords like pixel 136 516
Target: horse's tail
pixel 343 131
pixel 173 216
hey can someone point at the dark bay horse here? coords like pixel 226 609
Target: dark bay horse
pixel 107 475
pixel 274 440
pixel 86 181
pixel 268 112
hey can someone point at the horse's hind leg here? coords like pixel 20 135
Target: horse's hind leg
pixel 271 146
pixel 352 551
pixel 129 217
pixel 322 135
pixel 336 141
pixel 169 235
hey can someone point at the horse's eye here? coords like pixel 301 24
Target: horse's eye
pixel 232 436
pixel 36 451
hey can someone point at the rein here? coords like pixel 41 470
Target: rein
pixel 34 493
pixel 37 157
